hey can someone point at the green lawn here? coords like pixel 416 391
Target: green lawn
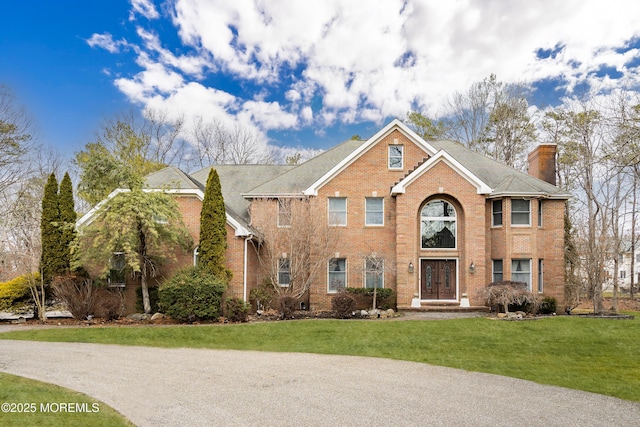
pixel 32 403
pixel 596 355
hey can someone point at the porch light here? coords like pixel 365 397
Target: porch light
pixel 472 267
pixel 410 267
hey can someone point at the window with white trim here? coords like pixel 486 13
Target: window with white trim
pixel 540 275
pixel 284 212
pixel 337 275
pixel 284 272
pixel 497 270
pixel 438 225
pixel 521 271
pixel 496 213
pixel 396 156
pixel 374 273
pixel 374 210
pixel 117 266
pixel 520 212
pixel 337 211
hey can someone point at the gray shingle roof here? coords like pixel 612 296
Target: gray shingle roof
pixel 503 179
pixel 173 178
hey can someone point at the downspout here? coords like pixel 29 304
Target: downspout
pixel 244 274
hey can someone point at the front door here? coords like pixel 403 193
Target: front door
pixel 438 279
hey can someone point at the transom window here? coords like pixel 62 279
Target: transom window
pixel 374 273
pixel 396 154
pixel 438 225
pixel 520 212
pixel 374 207
pixel 337 211
pixel 337 277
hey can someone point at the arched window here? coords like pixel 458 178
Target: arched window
pixel 438 225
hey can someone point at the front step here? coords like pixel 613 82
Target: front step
pixel 444 307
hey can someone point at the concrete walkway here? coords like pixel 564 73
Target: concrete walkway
pixel 188 387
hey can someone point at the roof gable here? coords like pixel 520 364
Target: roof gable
pixel 441 157
pixel 394 125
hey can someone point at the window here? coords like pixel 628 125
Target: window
pixel 116 270
pixel 539 213
pixel 337 274
pixel 396 156
pixel 284 213
pixel 374 207
pixel 637 257
pixel 540 275
pixel 520 212
pixel 374 273
pixel 497 270
pixel 496 213
pixel 623 274
pixel 521 271
pixel 438 223
pixel 337 211
pixel 284 273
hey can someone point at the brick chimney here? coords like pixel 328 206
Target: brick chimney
pixel 542 163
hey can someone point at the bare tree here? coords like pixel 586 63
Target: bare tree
pixel 296 243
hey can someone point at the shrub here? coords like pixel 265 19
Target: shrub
pixel 547 305
pixel 16 290
pixel 192 294
pixel 262 296
pixel 386 298
pixel 77 293
pixel 287 306
pixel 508 293
pixel 153 299
pixel 237 310
pixel 112 307
pixel 343 305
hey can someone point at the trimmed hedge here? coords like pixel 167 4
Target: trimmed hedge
pixel 192 294
pixel 385 298
pixel 16 290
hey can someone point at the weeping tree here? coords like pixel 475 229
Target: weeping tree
pixel 145 227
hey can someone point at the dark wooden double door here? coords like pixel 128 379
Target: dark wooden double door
pixel 438 279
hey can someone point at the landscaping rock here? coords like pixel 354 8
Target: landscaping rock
pixel 364 313
pixel 138 316
pixel 502 315
pixel 391 313
pixel 157 316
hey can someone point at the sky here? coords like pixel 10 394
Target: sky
pixel 299 73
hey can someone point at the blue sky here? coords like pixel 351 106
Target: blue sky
pixel 300 73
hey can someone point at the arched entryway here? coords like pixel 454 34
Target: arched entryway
pixel 439 246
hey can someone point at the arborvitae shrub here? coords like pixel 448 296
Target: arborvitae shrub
pixel 192 294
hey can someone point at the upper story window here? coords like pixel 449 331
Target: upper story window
pixel 337 275
pixel 539 213
pixel 284 213
pixel 520 212
pixel 374 211
pixel 496 213
pixel 337 211
pixel 438 225
pixel 396 156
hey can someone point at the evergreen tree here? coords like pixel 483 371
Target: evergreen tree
pixel 213 232
pixel 51 260
pixel 67 220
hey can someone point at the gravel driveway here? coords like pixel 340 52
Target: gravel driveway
pixel 188 387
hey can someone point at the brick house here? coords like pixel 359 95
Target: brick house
pixel 445 220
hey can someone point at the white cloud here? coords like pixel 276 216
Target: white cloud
pixel 145 8
pixel 298 63
pixel 106 42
